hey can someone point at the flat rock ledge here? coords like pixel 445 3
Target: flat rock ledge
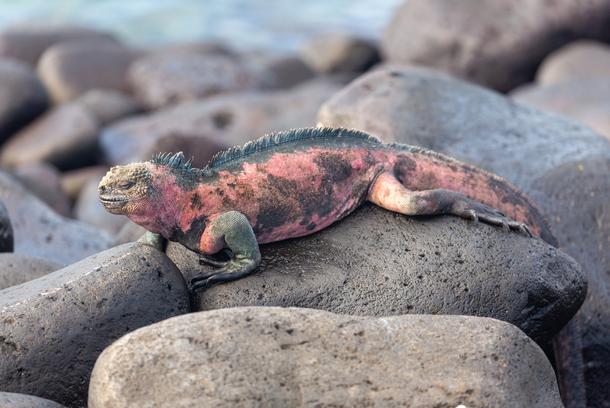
pixel 277 357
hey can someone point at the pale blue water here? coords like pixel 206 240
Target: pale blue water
pixel 244 24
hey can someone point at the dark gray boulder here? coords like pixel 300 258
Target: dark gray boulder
pixel 339 52
pixel 53 328
pixel 109 105
pixel 65 136
pixel 377 263
pixel 496 43
pixel 561 164
pixel 27 41
pixel 73 68
pixel 164 79
pixel 22 96
pixel 284 71
pixel 277 357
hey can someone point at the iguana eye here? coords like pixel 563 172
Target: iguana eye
pixel 124 185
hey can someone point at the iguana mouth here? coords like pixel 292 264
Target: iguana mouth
pixel 113 201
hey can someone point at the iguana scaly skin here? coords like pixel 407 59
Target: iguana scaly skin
pixel 294 183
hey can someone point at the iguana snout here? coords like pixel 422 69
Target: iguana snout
pixel 123 187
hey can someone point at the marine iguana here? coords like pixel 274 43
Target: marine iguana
pixel 294 183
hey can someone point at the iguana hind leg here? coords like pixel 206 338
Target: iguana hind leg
pixel 230 230
pixel 388 192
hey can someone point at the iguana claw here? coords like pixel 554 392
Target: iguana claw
pixel 216 263
pixel 204 260
pixel 526 230
pixel 236 268
pixel 476 211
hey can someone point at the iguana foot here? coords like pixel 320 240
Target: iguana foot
pixel 476 211
pixel 236 268
pixel 154 240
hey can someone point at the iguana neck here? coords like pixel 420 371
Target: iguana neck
pixel 162 211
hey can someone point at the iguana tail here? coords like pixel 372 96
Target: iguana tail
pixel 421 170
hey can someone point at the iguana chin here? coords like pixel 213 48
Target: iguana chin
pixel 294 183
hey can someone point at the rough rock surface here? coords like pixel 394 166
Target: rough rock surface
pixel 202 128
pixel 339 52
pixel 53 328
pixel 497 43
pixel 16 269
pixel 378 263
pixel 280 357
pixel 44 181
pixel 89 209
pixel 580 60
pixel 73 68
pixel 163 79
pixel 27 41
pixel 66 136
pixel 586 100
pixel 42 233
pixel 22 96
pixel 558 162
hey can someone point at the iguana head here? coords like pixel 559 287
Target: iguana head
pixel 126 189
pixel 149 193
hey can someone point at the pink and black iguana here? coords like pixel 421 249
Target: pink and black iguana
pixel 294 183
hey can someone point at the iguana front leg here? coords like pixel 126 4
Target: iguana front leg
pixel 230 230
pixel 157 241
pixel 154 240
